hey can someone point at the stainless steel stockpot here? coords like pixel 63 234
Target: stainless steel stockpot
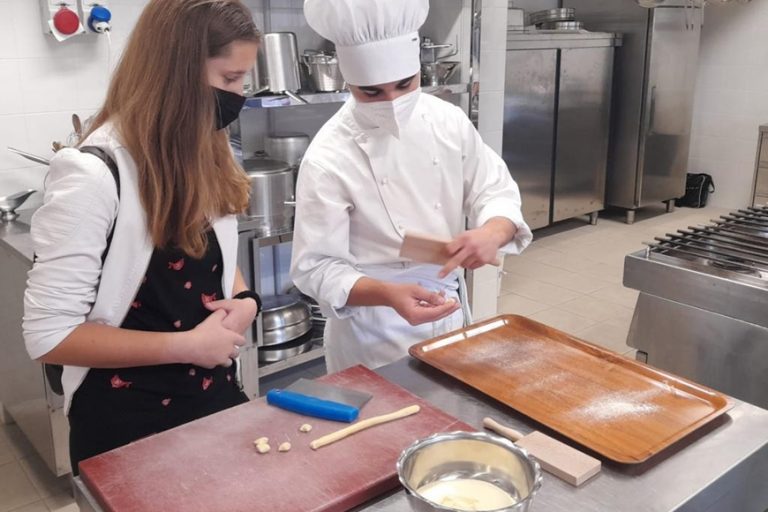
pixel 324 71
pixel 272 195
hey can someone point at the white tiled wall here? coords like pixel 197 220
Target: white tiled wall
pixel 731 99
pixel 42 83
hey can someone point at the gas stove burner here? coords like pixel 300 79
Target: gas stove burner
pixel 734 265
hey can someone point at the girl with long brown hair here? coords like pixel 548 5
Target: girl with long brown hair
pixel 135 288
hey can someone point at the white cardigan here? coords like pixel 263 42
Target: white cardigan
pixel 67 285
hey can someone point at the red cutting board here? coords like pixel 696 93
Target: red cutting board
pixel 211 464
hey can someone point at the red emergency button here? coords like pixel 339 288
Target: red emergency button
pixel 66 21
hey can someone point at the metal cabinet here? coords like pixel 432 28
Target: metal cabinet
pixel 556 122
pixel 760 189
pixel 529 127
pixel 583 122
pixel 653 96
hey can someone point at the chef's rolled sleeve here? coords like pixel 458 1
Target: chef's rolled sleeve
pixel 69 234
pixel 321 261
pixel 500 208
pixel 489 190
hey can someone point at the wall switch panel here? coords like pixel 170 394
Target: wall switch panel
pixel 96 16
pixel 61 18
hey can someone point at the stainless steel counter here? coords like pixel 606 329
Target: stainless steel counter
pixel 15 235
pixel 719 469
pixel 23 390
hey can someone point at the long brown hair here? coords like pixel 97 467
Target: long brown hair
pixel 164 111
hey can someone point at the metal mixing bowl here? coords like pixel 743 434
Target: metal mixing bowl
pixel 8 204
pixel 474 455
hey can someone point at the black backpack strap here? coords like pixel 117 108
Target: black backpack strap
pixel 104 157
pixel 53 372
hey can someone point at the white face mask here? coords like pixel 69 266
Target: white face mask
pixel 391 116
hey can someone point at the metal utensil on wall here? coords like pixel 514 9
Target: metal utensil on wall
pixel 30 156
pixel 281 58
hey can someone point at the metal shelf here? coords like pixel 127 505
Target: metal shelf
pixel 270 369
pixel 320 98
pixel 279 101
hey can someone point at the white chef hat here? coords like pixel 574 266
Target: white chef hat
pixel 377 41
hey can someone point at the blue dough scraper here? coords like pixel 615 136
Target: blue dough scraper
pixel 312 398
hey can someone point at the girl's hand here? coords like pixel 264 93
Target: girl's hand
pixel 211 343
pixel 240 313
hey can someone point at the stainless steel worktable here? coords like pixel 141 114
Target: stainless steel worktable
pixel 720 469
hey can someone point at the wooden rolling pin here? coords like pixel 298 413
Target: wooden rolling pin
pixel 363 425
pixel 563 461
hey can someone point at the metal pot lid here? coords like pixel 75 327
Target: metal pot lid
pixel 284 351
pixel 288 135
pixel 287 333
pixel 280 311
pixel 562 25
pixel 265 166
pixel 277 302
pixel 560 14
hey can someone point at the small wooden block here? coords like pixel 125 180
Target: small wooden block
pixel 424 249
pixel 560 459
pixel 427 249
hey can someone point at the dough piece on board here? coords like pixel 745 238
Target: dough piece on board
pixel 363 425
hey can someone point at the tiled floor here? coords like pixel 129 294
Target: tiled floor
pixel 570 278
pixel 26 483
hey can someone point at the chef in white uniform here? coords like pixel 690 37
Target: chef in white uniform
pixel 391 161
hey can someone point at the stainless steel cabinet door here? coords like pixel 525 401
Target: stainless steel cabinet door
pixel 669 104
pixel 529 128
pixel 583 120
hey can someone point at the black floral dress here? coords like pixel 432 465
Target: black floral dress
pixel 113 407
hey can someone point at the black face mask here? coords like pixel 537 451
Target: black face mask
pixel 228 107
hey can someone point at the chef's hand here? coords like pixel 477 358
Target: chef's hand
pixel 211 343
pixel 477 247
pixel 240 313
pixel 417 305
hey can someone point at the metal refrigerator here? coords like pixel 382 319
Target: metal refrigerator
pixel 655 75
pixel 557 107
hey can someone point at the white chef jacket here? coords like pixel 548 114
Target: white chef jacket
pixel 360 190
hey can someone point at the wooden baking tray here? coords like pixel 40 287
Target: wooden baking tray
pixel 618 407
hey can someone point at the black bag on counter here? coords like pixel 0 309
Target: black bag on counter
pixel 53 372
pixel 697 190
